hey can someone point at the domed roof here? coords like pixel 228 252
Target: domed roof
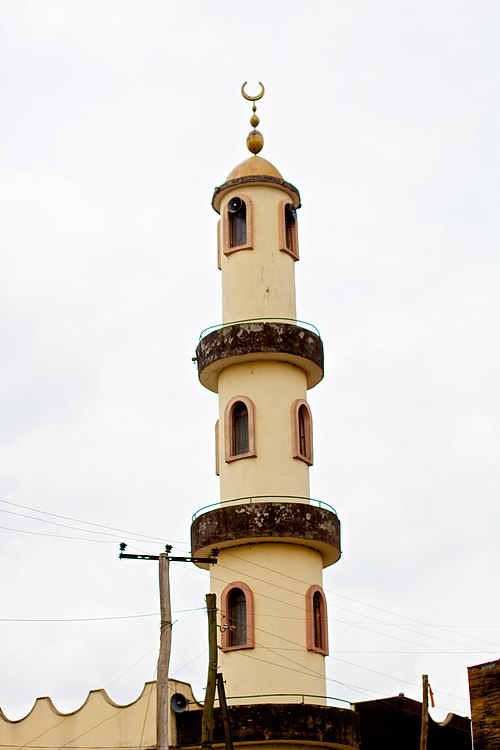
pixel 255 165
pixel 254 171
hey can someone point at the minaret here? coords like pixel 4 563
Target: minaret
pixel 274 541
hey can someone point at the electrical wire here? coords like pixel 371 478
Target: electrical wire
pixel 60 536
pixel 356 688
pixel 183 546
pixel 87 523
pixel 419 622
pixel 365 604
pixel 414 620
pixel 145 712
pixel 396 638
pixel 62 525
pixel 396 679
pixel 333 657
pixel 176 671
pixel 300 607
pixel 93 696
pixel 78 619
pixel 288 590
pixel 95 619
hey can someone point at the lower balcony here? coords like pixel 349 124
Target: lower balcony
pixel 276 724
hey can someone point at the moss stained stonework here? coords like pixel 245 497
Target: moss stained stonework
pixel 258 341
pixel 275 723
pixel 231 525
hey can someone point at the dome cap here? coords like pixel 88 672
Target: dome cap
pixel 254 165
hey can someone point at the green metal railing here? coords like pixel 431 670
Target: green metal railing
pixel 294 321
pixel 302 697
pixel 258 498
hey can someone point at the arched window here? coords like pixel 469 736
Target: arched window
pixel 238 224
pixel 237 211
pixel 316 620
pixel 239 428
pixel 237 616
pixel 287 221
pixel 302 431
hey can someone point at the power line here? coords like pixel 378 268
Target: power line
pixel 412 652
pixel 189 662
pixel 402 626
pixel 146 537
pixel 300 607
pixel 284 588
pixel 333 657
pixel 182 545
pixel 94 619
pixel 60 536
pixel 66 526
pixel 77 619
pixel 395 637
pixel 87 523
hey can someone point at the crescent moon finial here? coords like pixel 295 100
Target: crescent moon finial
pixel 255 140
pixel 253 98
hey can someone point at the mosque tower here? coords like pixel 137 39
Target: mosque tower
pixel 274 541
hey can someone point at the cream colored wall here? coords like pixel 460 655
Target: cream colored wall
pixel 273 387
pixel 279 576
pixel 99 723
pixel 259 283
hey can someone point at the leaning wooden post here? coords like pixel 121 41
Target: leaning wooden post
pixel 425 712
pixel 224 712
pixel 164 655
pixel 207 722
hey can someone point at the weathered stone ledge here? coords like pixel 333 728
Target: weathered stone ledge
pixel 232 525
pixel 275 723
pixel 247 342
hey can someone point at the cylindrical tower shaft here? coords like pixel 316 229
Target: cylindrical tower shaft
pixel 273 542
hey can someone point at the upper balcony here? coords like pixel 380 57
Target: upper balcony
pixel 256 340
pixel 269 519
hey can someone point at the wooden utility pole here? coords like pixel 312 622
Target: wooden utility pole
pixel 207 721
pixel 224 712
pixel 425 712
pixel 162 707
pixel 164 655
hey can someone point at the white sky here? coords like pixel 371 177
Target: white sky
pixel 119 117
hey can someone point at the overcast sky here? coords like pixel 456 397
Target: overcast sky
pixel 119 118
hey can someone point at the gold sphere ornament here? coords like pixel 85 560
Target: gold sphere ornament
pixel 255 141
pixel 254 121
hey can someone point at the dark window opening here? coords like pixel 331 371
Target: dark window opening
pixel 318 621
pixel 303 448
pixel 239 443
pixel 302 431
pixel 237 618
pixel 290 219
pixel 237 214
